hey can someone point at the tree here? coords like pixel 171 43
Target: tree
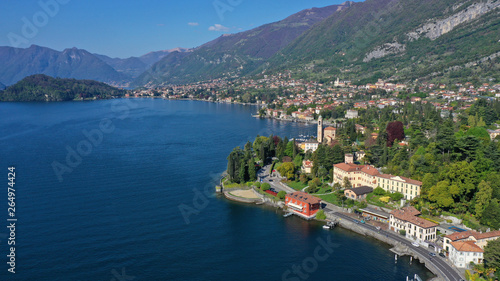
pixel 483 197
pixel 320 215
pixel 289 149
pixel 346 183
pixel 281 194
pixel 379 191
pixel 287 170
pixel 252 173
pixel 265 186
pixel 234 164
pixel 443 194
pixel 492 254
pixel 491 214
pixel 395 131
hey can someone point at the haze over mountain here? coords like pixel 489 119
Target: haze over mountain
pixel 236 54
pixel 18 63
pixel 135 66
pixel 364 41
pixel 357 41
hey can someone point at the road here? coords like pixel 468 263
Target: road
pixel 446 270
pixel 438 262
pixel 265 174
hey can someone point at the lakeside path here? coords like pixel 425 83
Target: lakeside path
pixel 443 269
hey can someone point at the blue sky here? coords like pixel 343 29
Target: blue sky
pixel 132 28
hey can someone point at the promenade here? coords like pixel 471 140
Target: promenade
pixel 437 265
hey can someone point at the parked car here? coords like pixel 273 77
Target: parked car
pixel 378 227
pixel 415 244
pixel 432 254
pixel 442 255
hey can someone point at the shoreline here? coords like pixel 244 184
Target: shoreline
pixel 397 247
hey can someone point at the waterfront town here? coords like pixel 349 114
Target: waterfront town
pixel 378 163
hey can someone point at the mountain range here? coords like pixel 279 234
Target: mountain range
pixel 18 63
pixel 391 39
pixel 238 54
pixel 398 40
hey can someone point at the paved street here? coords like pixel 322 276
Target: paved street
pixel 265 175
pixel 446 270
pixel 438 262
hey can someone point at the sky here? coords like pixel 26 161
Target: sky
pixel 132 28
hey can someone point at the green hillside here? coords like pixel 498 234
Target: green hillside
pixel 41 87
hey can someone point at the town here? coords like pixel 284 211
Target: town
pixel 402 162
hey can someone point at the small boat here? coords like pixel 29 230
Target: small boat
pixel 330 225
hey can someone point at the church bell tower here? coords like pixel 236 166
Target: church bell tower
pixel 320 129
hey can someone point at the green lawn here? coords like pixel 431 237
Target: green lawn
pixel 331 198
pixel 296 185
pixel 374 200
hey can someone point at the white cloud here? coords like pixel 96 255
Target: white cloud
pixel 218 27
pixel 193 24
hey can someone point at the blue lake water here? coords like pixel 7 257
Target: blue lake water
pixel 138 202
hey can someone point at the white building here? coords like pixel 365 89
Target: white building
pixel 462 253
pixel 367 175
pixel 416 228
pixel 311 145
pixel 351 114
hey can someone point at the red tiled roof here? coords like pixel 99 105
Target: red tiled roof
pixel 348 167
pixel 490 234
pixel 370 170
pixel 466 246
pixel 461 235
pixel 330 129
pixel 406 180
pixel 304 197
pixel 410 214
pixel 477 235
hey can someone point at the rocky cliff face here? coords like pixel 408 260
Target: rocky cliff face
pixel 384 50
pixel 436 28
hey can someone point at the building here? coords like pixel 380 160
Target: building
pixel 416 228
pixel 408 187
pixel 311 145
pixel 494 133
pixel 376 215
pixel 349 158
pixel 462 253
pixel 302 204
pixel 360 155
pixel 320 129
pixel 360 175
pixel 480 239
pixel 360 129
pixel 358 193
pixel 307 166
pixel 351 114
pixel 327 134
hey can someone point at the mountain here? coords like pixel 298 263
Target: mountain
pixel 408 40
pixel 135 66
pixel 399 40
pixel 41 87
pixel 2 86
pixel 235 54
pixel 71 63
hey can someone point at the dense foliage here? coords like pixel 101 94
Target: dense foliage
pixel 45 88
